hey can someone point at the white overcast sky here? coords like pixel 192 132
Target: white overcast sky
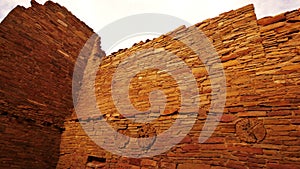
pixel 98 13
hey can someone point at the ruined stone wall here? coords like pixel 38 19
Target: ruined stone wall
pixel 259 127
pixel 39 46
pixel 260 123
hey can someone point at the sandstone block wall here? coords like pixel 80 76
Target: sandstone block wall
pixel 260 124
pixel 39 46
pixel 39 127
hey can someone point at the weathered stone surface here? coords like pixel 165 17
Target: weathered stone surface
pixel 269 20
pixel 38 48
pixel 261 88
pixel 192 166
pixel 259 127
pixel 250 130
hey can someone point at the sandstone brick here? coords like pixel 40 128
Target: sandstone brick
pixel 166 165
pixel 147 162
pixel 135 161
pixel 279 166
pixel 252 114
pixel 226 118
pixel 280 113
pixel 192 166
pixel 272 26
pixel 212 147
pixel 229 57
pixel 235 164
pixel 295 121
pixel 270 20
pixel 215 140
pixel 250 150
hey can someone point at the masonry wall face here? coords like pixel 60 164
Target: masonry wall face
pixel 260 123
pixel 259 127
pixel 39 46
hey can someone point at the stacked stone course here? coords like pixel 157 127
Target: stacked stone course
pixel 260 123
pixel 259 126
pixel 39 46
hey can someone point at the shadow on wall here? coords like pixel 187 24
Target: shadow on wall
pixel 25 144
pixel 39 46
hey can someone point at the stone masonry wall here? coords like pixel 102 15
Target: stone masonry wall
pixel 39 128
pixel 260 123
pixel 39 46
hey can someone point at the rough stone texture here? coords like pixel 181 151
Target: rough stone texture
pixel 250 130
pixel 38 49
pixel 259 127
